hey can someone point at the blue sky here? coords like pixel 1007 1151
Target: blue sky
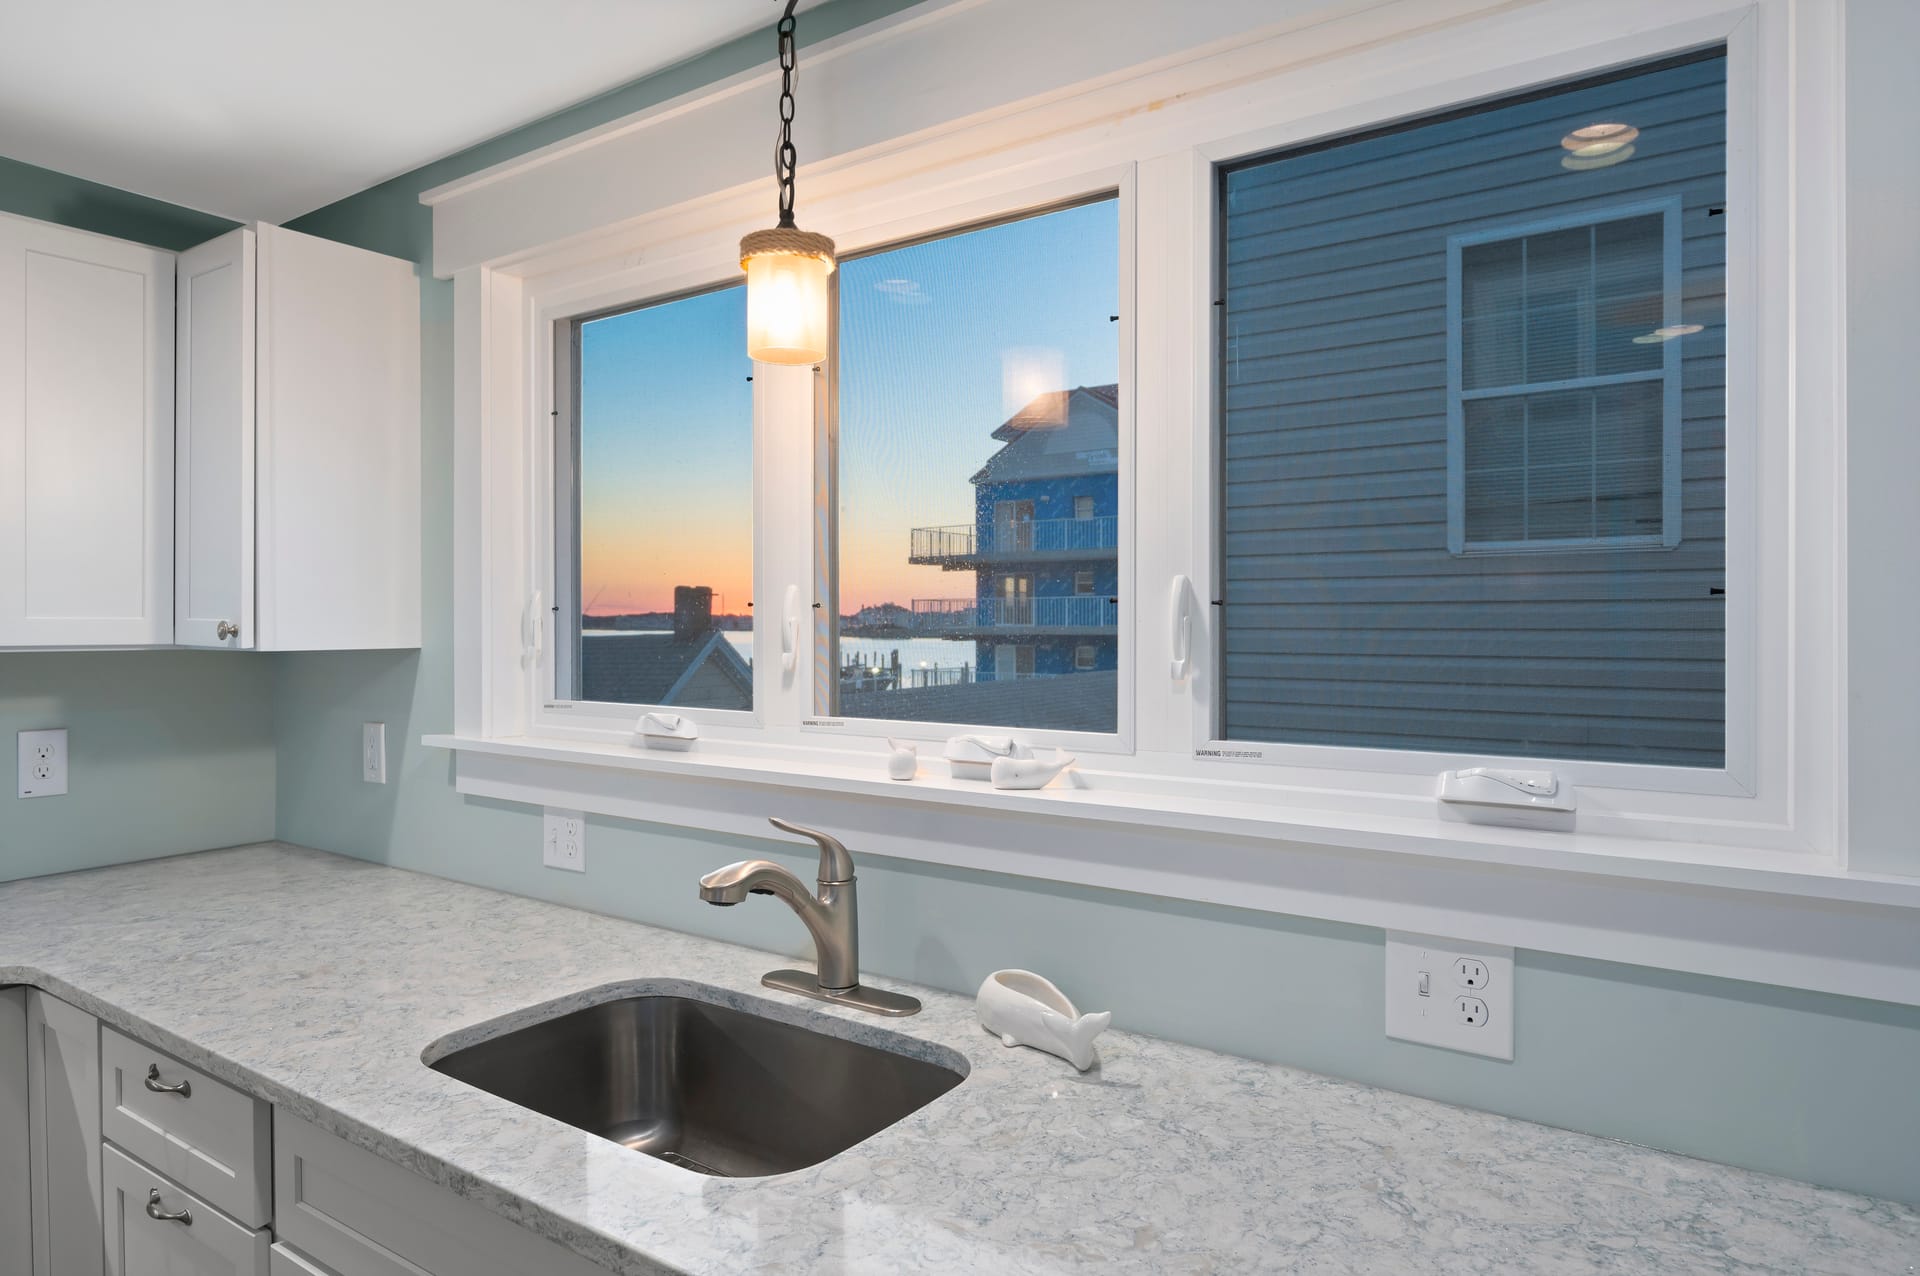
pixel 928 333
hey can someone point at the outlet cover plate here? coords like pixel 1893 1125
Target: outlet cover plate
pixel 373 752
pixel 1454 968
pixel 563 840
pixel 43 763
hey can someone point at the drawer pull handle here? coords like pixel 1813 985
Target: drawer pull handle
pixel 182 1088
pixel 154 1212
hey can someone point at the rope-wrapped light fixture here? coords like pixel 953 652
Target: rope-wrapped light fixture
pixel 786 267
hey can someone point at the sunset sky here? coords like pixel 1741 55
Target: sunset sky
pixel 940 343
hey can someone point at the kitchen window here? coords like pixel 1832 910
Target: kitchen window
pixel 975 477
pixel 1273 541
pixel 654 470
pixel 1473 438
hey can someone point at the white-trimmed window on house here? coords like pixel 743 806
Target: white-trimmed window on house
pixel 1563 395
pixel 1473 433
pixel 654 494
pixel 974 468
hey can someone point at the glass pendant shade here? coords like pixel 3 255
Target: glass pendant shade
pixel 787 273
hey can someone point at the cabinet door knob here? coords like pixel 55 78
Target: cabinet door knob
pixel 182 1088
pixel 226 629
pixel 154 1212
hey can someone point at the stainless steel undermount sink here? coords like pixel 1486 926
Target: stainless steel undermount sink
pixel 703 1086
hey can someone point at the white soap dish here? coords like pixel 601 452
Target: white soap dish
pixel 971 757
pixel 1024 1009
pixel 668 731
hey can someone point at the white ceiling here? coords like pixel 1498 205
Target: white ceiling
pixel 271 108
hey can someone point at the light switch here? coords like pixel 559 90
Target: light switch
pixel 1474 1011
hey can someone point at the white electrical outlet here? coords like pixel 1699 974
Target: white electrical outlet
pixel 373 752
pixel 43 763
pixel 564 840
pixel 1450 992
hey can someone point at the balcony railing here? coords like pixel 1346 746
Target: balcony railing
pixel 1033 536
pixel 1075 611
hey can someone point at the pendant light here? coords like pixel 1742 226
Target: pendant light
pixel 786 267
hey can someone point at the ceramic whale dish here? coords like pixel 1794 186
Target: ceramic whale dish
pixel 971 757
pixel 1024 1009
pixel 1035 772
pixel 667 731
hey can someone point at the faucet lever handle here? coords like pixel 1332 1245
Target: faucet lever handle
pixel 836 864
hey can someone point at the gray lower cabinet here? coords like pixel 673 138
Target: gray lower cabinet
pixel 16 1161
pixel 361 1215
pixel 155 1227
pixel 63 1096
pixel 202 1133
pixel 117 1159
pixel 287 1262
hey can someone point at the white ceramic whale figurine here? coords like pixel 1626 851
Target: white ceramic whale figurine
pixel 1023 1009
pixel 1034 772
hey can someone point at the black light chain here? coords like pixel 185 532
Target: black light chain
pixel 784 158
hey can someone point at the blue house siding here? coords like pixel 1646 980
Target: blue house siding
pixel 1052 499
pixel 1061 452
pixel 1347 619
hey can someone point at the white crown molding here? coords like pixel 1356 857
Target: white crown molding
pixel 1075 64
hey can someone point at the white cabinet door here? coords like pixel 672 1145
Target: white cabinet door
pixel 16 1170
pixel 214 450
pixel 63 1089
pixel 86 439
pixel 339 465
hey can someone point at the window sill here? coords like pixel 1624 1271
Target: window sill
pixel 1230 810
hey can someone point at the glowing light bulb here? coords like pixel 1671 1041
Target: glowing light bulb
pixel 786 304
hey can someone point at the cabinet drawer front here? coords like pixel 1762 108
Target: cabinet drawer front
pixel 287 1262
pixel 205 1242
pixel 208 1137
pixel 360 1214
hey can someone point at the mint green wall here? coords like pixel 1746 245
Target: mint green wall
pixel 1815 1087
pixel 48 196
pixel 1883 383
pixel 168 751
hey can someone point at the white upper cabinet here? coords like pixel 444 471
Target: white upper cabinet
pixel 86 439
pixel 298 466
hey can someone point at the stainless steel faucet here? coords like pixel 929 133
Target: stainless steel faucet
pixel 832 917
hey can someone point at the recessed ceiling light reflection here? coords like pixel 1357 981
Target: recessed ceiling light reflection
pixel 1598 146
pixel 1668 333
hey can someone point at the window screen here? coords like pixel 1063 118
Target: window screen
pixel 1473 429
pixel 976 532
pixel 659 551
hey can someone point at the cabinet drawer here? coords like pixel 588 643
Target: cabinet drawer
pixel 203 1241
pixel 360 1214
pixel 201 1133
pixel 286 1262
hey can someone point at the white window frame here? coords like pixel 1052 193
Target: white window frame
pixel 1669 376
pixel 1347 834
pixel 561 586
pixel 548 710
pixel 1119 184
pixel 1747 800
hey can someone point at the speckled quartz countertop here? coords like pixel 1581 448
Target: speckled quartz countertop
pixel 316 982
